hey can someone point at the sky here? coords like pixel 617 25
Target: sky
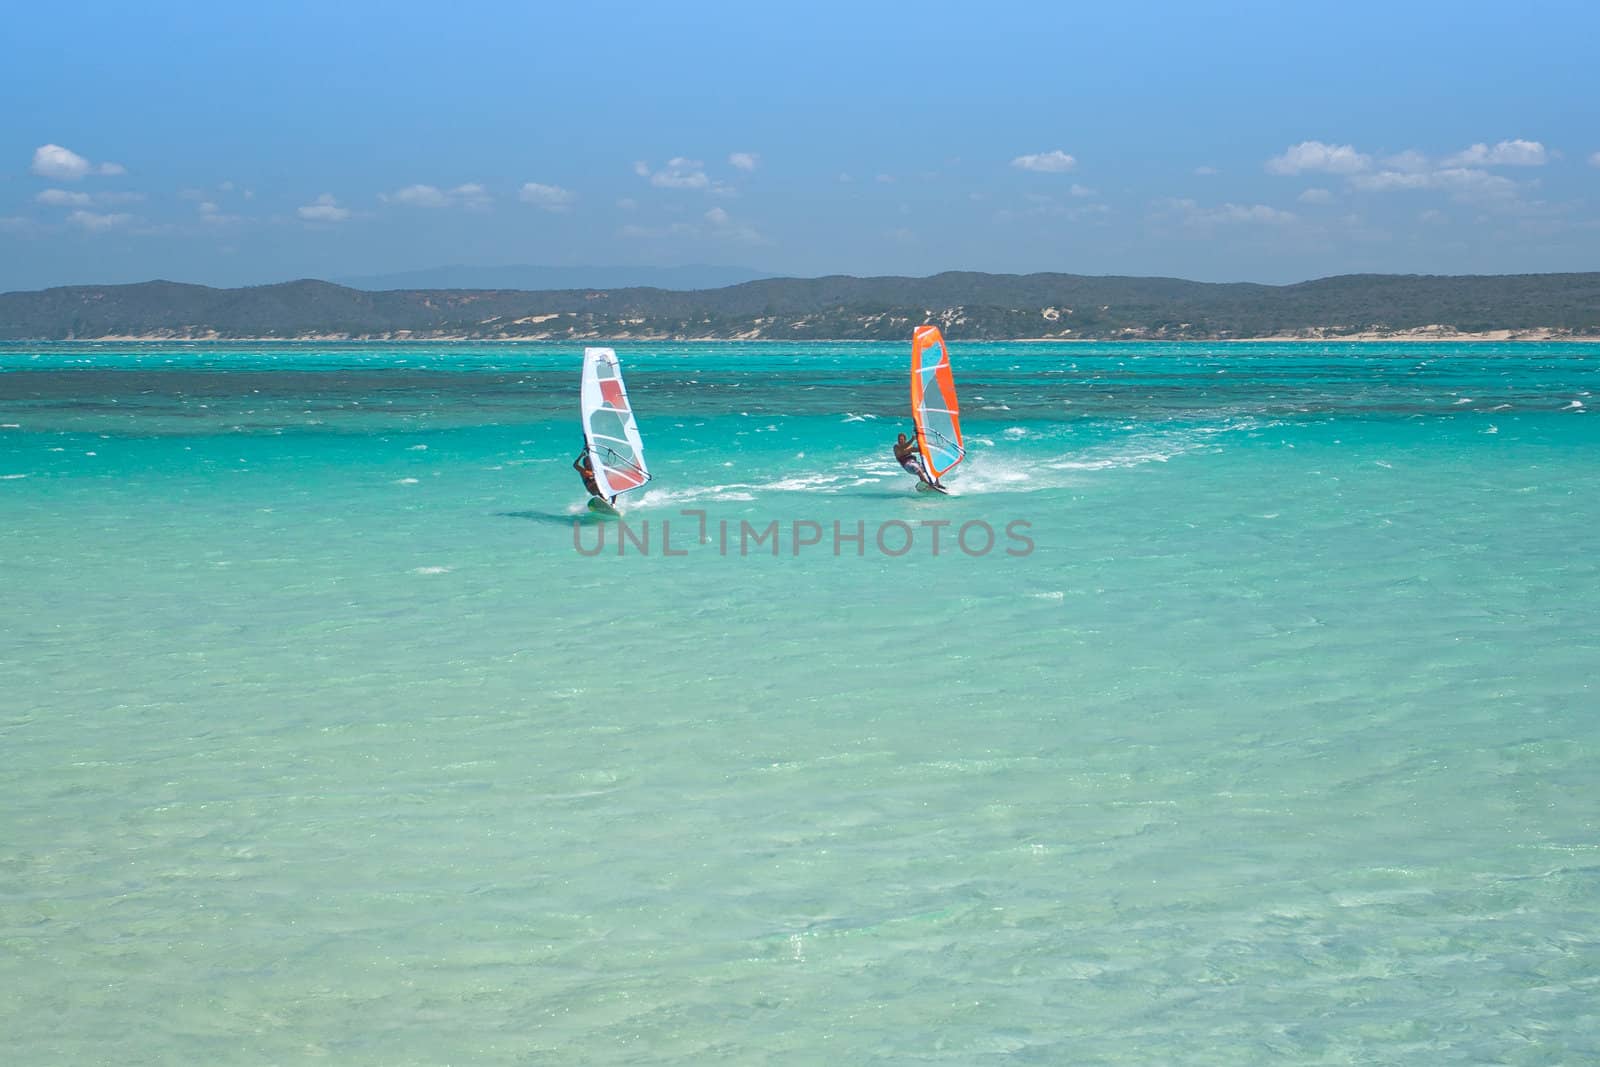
pixel 1273 142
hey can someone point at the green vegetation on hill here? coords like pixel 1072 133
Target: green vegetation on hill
pixel 970 306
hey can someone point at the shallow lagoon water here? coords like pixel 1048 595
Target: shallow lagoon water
pixel 324 740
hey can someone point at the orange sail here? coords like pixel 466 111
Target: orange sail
pixel 933 402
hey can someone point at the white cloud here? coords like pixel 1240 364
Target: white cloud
pixel 207 204
pixel 471 195
pixel 1317 156
pixel 1470 184
pixel 1409 161
pixel 1467 184
pixel 684 173
pixel 1052 162
pixel 1389 180
pixel 53 161
pixel 1254 213
pixel 1433 217
pixel 1080 190
pixel 1518 153
pixel 1192 214
pixel 417 196
pixel 681 173
pixel 1461 176
pixel 1206 172
pixel 67 198
pixel 1594 159
pixel 677 229
pixel 1315 196
pixel 725 227
pixel 325 209
pixel 212 215
pixel 628 203
pixel 93 221
pixel 62 198
pixel 745 160
pixel 884 179
pixel 547 197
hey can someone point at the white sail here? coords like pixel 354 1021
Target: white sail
pixel 615 450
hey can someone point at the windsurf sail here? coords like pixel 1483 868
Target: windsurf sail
pixel 933 402
pixel 615 451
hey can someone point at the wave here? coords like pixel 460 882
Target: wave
pixel 990 467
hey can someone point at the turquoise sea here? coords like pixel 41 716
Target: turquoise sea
pixel 1266 731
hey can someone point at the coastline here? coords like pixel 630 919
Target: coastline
pixel 972 308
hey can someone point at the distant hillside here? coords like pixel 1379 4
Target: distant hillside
pixel 538 279
pixel 969 306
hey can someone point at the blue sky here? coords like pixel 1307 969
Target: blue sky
pixel 1243 141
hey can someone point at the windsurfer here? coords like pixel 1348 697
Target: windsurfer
pixel 585 471
pixel 906 452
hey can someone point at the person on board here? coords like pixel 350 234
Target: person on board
pixel 906 452
pixel 585 471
